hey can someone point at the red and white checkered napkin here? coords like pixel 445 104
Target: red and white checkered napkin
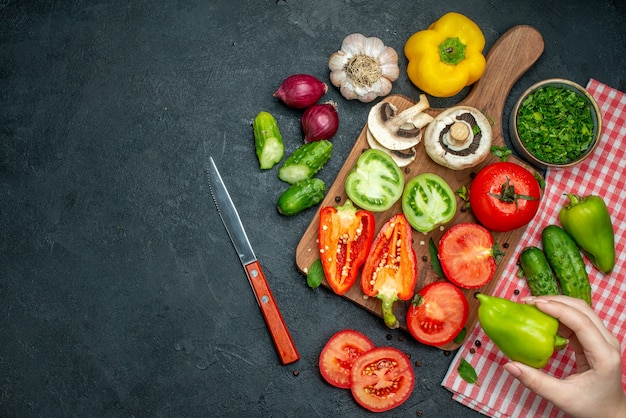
pixel 500 395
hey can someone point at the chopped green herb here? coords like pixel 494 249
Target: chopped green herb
pixel 463 193
pixel 501 152
pixel 555 124
pixel 497 252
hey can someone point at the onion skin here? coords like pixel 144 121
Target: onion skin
pixel 320 121
pixel 300 91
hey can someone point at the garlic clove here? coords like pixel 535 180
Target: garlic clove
pixel 374 47
pixel 385 87
pixel 353 44
pixel 389 67
pixel 337 61
pixel 368 97
pixel 337 78
pixel 347 91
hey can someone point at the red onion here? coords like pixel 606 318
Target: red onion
pixel 320 121
pixel 301 90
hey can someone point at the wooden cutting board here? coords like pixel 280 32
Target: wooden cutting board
pixel 511 56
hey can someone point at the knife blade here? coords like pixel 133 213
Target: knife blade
pixel 265 299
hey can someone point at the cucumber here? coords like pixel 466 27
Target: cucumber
pixel 268 141
pixel 538 272
pixel 567 262
pixel 301 196
pixel 306 161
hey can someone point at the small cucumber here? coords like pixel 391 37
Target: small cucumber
pixel 567 262
pixel 301 196
pixel 268 140
pixel 538 272
pixel 306 161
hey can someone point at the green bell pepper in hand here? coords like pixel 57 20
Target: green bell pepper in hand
pixel 522 332
pixel 588 222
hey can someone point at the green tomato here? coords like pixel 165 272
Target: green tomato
pixel 375 182
pixel 428 201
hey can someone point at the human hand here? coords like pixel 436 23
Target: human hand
pixel 595 390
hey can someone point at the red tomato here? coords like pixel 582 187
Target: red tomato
pixel 339 353
pixel 466 255
pixel 382 379
pixel 504 196
pixel 438 313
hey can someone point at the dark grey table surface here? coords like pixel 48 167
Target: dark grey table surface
pixel 120 292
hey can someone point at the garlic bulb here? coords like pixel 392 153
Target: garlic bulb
pixel 363 68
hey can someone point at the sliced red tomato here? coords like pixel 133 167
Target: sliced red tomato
pixel 341 350
pixel 466 254
pixel 438 314
pixel 382 379
pixel 345 236
pixel 504 196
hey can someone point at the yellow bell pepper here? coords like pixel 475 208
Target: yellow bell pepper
pixel 447 56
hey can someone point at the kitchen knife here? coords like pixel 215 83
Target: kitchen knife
pixel 228 213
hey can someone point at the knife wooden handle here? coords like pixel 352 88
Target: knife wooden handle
pixel 278 329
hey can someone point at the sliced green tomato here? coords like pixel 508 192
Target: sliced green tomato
pixel 375 182
pixel 428 201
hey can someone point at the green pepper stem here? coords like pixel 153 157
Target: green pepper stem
pixel 573 199
pixel 560 342
pixel 452 51
pixel 388 316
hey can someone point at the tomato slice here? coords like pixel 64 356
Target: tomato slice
pixel 337 356
pixel 375 182
pixel 428 201
pixel 466 254
pixel 382 379
pixel 438 313
pixel 504 196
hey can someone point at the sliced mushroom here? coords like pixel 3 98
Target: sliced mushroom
pixel 458 138
pixel 402 157
pixel 398 131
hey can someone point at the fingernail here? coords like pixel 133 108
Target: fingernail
pixel 512 369
pixel 528 299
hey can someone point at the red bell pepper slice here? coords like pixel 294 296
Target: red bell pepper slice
pixel 345 236
pixel 390 273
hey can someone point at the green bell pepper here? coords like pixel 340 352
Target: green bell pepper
pixel 588 222
pixel 522 332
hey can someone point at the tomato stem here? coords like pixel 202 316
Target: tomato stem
pixel 508 195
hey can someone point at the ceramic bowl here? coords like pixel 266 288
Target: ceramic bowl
pixel 520 144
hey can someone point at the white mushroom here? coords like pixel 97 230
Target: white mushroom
pixel 398 131
pixel 402 157
pixel 458 138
